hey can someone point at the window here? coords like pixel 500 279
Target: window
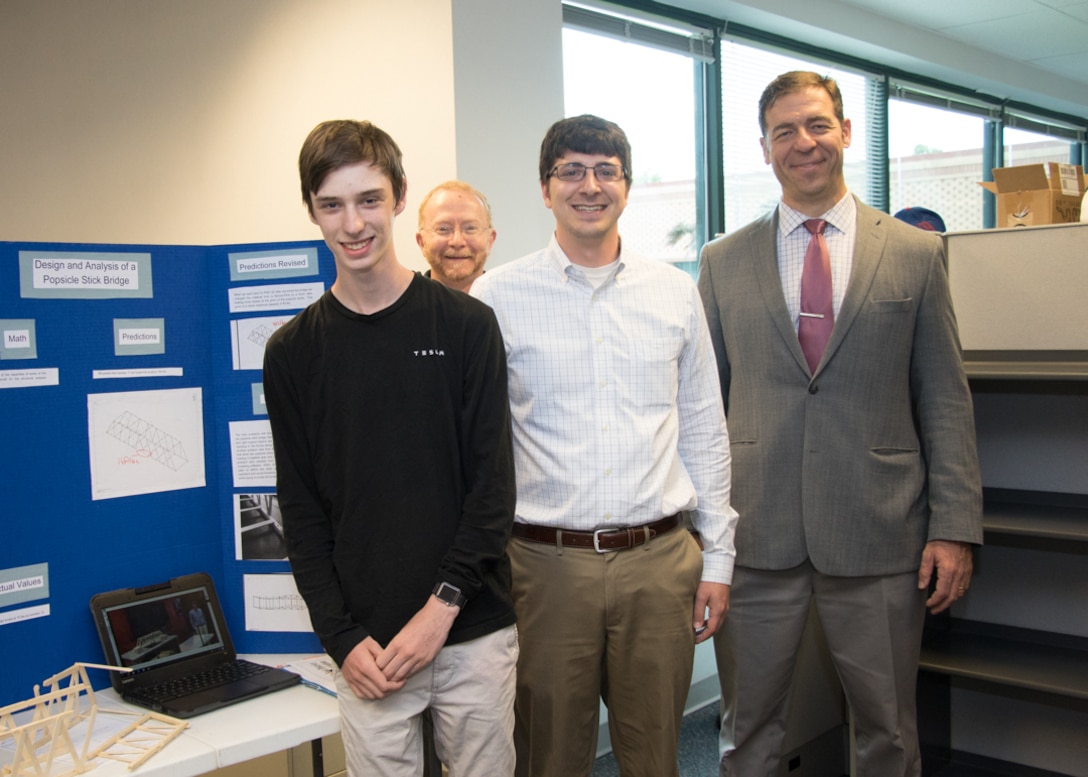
pixel 925 144
pixel 1024 147
pixel 751 189
pixel 650 93
pixel 935 161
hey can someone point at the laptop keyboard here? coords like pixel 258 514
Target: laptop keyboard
pixel 210 678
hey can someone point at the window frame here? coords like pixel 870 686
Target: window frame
pixel 652 23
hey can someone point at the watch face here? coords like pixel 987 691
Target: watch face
pixel 450 594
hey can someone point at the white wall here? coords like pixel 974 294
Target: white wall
pixel 508 74
pixel 132 121
pixel 136 121
pixel 144 121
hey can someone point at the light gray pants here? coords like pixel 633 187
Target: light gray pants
pixel 873 627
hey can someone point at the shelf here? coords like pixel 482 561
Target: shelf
pixel 960 770
pixel 1027 370
pixel 971 765
pixel 1026 365
pixel 1036 514
pixel 1004 655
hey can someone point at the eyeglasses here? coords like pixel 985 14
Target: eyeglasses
pixel 468 230
pixel 605 172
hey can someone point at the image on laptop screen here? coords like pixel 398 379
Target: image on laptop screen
pixel 154 632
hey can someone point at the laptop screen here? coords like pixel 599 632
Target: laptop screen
pixel 156 631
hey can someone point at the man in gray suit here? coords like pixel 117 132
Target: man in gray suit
pixel 854 469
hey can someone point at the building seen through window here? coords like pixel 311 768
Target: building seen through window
pixel 908 148
pixel 935 161
pixel 751 189
pixel 651 95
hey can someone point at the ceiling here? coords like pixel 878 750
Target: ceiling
pixel 1032 51
pixel 1049 34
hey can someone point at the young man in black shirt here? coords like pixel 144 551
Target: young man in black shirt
pixel 390 421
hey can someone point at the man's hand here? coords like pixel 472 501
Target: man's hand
pixel 364 676
pixel 711 605
pixel 416 645
pixel 952 563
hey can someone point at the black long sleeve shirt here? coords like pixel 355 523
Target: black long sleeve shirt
pixel 394 463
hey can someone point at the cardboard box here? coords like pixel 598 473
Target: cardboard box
pixel 1026 197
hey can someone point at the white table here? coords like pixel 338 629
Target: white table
pixel 240 732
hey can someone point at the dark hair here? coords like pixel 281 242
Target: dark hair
pixel 585 134
pixel 334 144
pixel 795 81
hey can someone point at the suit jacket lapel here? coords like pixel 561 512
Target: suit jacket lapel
pixel 764 246
pixel 868 252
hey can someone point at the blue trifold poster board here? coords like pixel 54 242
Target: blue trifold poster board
pixel 134 446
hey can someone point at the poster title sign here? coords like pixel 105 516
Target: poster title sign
pixel 73 275
pixel 139 336
pixel 18 338
pixel 267 265
pixel 24 584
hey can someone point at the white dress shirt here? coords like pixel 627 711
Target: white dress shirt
pixel 793 240
pixel 615 400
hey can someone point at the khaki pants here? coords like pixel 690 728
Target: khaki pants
pixel 469 689
pixel 615 626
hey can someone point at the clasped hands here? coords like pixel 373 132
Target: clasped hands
pixel 374 672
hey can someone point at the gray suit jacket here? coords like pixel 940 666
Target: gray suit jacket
pixel 857 466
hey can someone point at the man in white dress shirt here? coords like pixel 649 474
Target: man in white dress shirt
pixel 618 430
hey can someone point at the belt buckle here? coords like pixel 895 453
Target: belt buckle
pixel 597 541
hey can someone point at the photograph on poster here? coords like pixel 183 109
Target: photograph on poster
pixel 145 442
pixel 258 528
pixel 273 603
pixel 247 339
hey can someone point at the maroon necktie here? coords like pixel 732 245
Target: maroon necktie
pixel 817 314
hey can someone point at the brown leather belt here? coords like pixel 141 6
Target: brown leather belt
pixel 602 540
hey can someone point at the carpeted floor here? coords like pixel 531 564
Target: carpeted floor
pixel 698 747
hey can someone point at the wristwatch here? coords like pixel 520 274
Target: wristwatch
pixel 449 594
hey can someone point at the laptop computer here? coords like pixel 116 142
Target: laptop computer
pixel 174 637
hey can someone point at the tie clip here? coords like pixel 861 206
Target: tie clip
pixel 813 315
